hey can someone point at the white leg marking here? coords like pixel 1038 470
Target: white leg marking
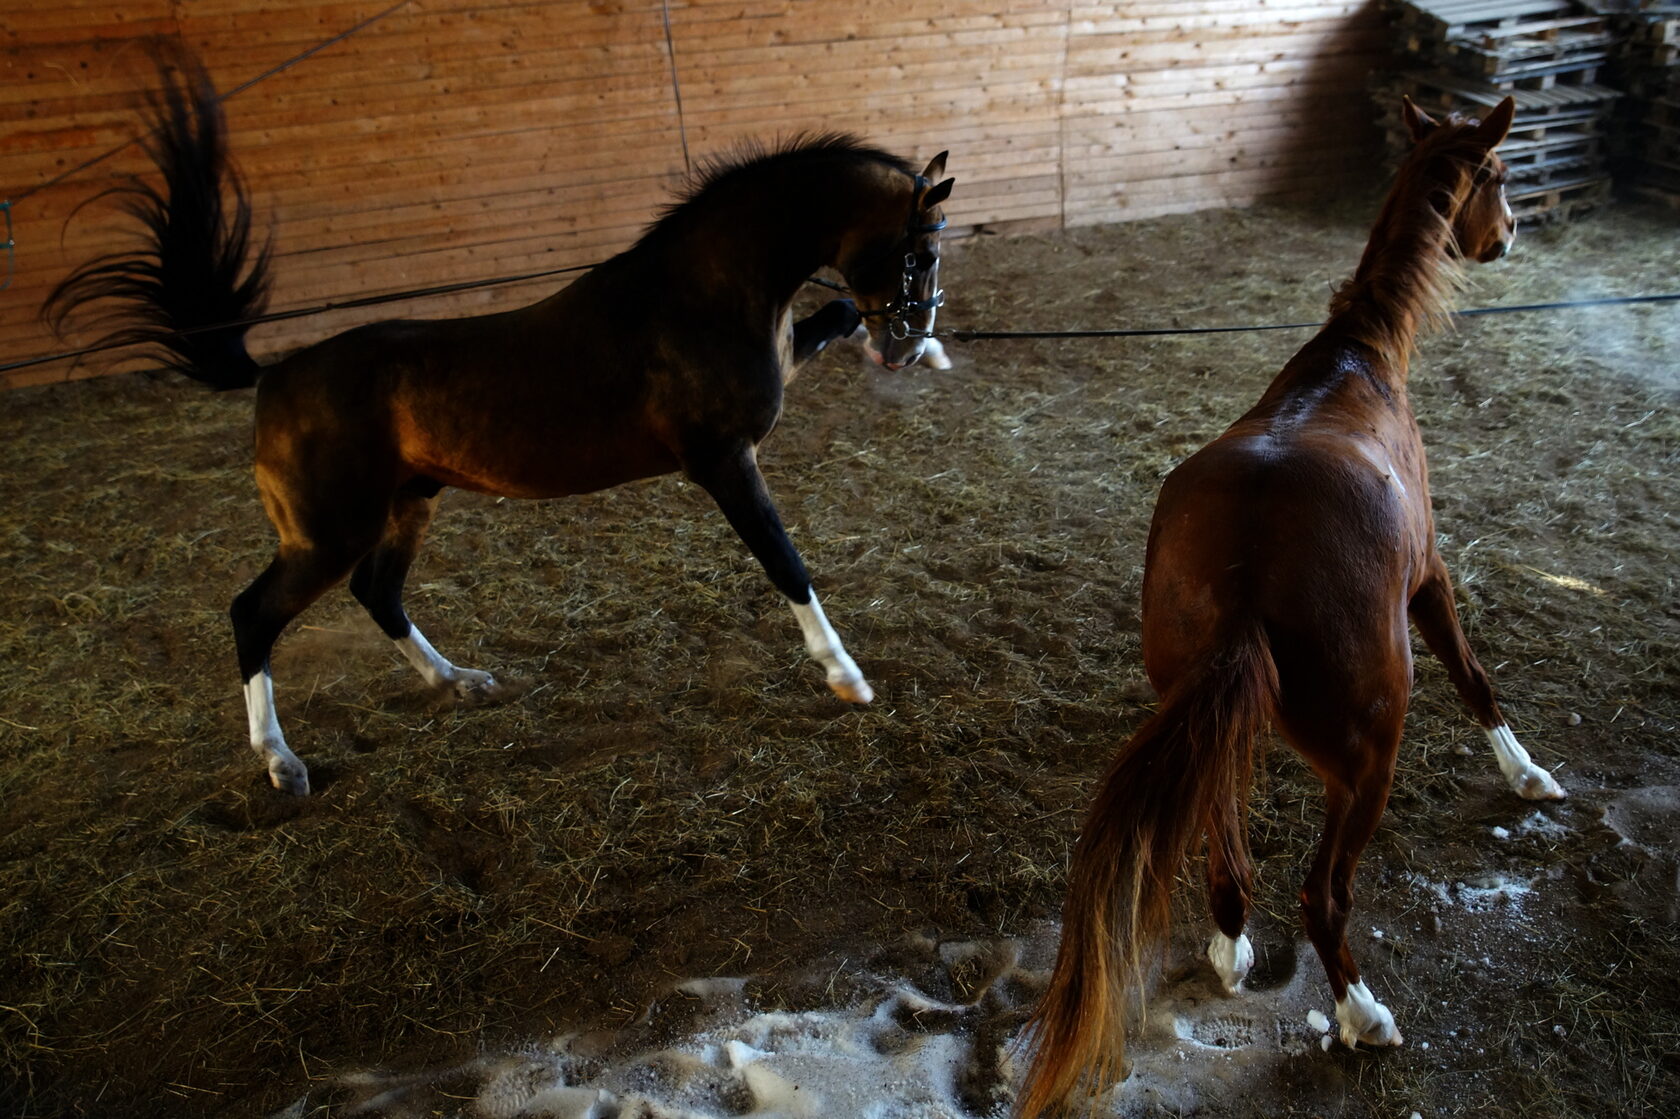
pixel 824 645
pixel 437 671
pixel 1529 780
pixel 934 355
pixel 1363 1018
pixel 288 774
pixel 1232 959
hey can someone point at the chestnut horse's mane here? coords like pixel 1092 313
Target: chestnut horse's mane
pixel 1408 273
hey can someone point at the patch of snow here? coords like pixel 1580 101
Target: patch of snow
pixel 1483 892
pixel 856 1061
pixel 1542 825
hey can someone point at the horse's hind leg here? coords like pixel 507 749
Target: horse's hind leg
pixel 1230 886
pixel 1436 617
pixel 298 575
pixel 732 477
pixel 378 585
pixel 1356 764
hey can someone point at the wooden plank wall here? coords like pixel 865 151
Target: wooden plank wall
pixel 451 140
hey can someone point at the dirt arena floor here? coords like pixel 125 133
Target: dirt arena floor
pixel 667 792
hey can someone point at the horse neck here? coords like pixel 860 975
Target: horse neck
pixel 1404 275
pixel 762 240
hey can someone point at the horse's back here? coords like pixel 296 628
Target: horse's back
pixel 1312 534
pixel 517 403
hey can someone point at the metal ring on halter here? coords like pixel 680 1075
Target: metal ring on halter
pixel 898 328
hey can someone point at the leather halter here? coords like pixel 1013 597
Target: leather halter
pixel 902 305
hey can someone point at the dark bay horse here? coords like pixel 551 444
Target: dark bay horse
pixel 1283 562
pixel 670 356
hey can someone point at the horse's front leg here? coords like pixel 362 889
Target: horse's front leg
pixel 732 477
pixel 838 318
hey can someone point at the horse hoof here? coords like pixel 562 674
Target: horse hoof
pixel 853 689
pixel 470 683
pixel 1232 959
pixel 1363 1019
pixel 1376 1037
pixel 1536 784
pixel 289 777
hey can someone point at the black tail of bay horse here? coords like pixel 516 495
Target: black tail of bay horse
pixel 670 356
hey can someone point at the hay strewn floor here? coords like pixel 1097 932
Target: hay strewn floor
pixel 672 792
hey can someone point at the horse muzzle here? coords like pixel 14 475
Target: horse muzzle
pixel 893 360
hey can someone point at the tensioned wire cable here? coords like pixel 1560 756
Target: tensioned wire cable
pixel 468 285
pixel 1142 332
pixel 955 335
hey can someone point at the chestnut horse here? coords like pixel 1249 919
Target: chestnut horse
pixel 1283 561
pixel 670 356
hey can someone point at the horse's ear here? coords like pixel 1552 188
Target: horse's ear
pixel 937 193
pixel 1418 122
pixel 1491 132
pixel 935 167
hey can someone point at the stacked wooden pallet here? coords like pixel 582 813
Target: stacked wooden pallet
pixel 1546 54
pixel 1647 67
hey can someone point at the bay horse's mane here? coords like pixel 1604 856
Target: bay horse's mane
pixel 721 172
pixel 1408 273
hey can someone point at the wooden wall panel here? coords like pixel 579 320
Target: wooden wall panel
pixel 982 79
pixel 1171 107
pixel 450 140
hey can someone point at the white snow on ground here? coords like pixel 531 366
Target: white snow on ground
pixel 1484 891
pixel 896 1053
pixel 1539 824
pixel 1644 818
pixel 858 1061
pixel 936 1038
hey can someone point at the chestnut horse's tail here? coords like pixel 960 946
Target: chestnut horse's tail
pixel 186 276
pixel 1188 762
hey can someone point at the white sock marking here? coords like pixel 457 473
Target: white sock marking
pixel 1528 780
pixel 438 671
pixel 1232 959
pixel 934 355
pixel 824 646
pixel 1363 1018
pixel 285 770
